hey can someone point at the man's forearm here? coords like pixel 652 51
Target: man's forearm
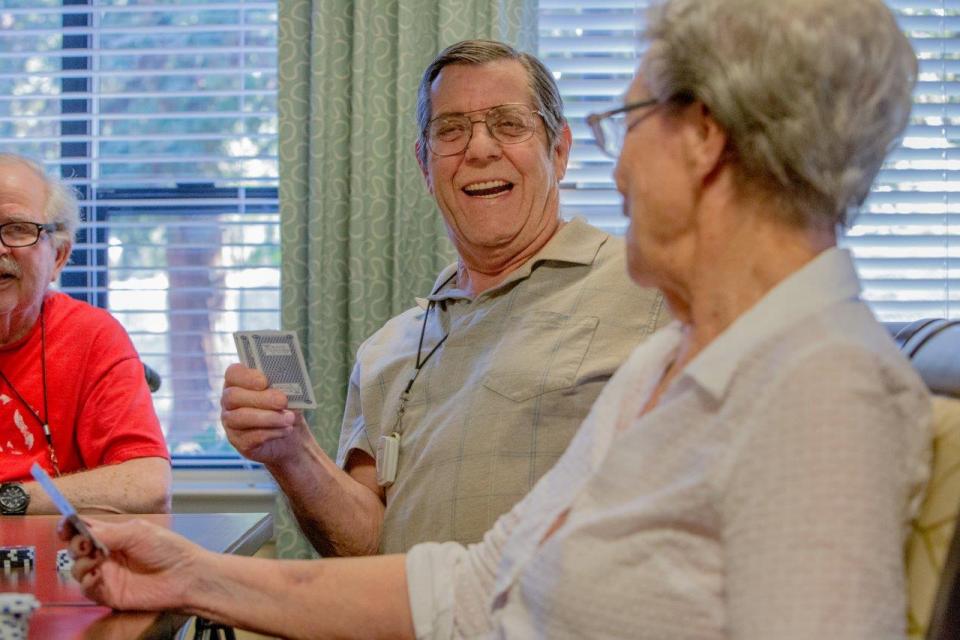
pixel 339 515
pixel 141 485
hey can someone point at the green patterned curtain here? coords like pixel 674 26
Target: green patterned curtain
pixel 360 234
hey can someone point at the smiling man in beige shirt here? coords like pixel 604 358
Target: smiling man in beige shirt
pixel 495 369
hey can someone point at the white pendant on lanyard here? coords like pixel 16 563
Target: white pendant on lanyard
pixel 388 455
pixel 388 448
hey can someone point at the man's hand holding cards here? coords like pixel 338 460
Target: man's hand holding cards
pixel 277 354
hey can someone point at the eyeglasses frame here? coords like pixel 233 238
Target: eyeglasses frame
pixel 595 121
pixel 426 131
pixel 49 227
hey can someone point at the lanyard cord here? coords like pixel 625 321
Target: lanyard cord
pixel 46 408
pixel 398 426
pixel 423 329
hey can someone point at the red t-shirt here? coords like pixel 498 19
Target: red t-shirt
pixel 100 407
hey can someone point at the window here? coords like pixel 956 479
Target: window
pixel 907 237
pixel 163 116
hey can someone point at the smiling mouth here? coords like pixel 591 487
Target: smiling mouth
pixel 489 189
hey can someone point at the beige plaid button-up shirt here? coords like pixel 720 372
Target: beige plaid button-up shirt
pixel 497 403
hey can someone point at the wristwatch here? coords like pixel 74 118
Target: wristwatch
pixel 13 499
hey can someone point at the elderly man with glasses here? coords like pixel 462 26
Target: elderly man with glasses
pixel 73 396
pixel 456 407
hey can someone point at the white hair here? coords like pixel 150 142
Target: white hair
pixel 811 93
pixel 61 207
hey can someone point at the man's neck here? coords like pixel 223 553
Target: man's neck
pixel 476 278
pixel 14 326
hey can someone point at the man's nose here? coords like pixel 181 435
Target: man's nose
pixel 482 144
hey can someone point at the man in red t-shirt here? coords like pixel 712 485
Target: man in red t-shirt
pixel 73 396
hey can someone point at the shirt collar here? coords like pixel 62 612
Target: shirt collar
pixel 827 279
pixel 576 242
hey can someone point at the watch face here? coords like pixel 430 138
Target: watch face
pixel 13 499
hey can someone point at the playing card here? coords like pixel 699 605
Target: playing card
pixel 64 506
pixel 277 354
pixel 245 348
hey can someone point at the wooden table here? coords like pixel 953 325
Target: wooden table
pixel 66 614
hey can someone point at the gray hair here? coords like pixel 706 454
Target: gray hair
pixel 543 88
pixel 811 93
pixel 60 206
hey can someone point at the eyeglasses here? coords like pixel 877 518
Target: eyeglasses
pixel 449 134
pixel 23 234
pixel 610 127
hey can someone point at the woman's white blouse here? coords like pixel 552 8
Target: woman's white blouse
pixel 766 496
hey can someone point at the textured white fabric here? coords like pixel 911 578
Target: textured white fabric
pixel 766 496
pixel 433 613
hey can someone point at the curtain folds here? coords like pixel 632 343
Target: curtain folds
pixel 360 235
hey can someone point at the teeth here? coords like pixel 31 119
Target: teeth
pixel 488 189
pixel 482 186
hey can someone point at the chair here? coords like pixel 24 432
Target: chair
pixel 153 378
pixel 933 548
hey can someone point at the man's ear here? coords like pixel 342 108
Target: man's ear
pixel 561 151
pixel 706 140
pixel 60 261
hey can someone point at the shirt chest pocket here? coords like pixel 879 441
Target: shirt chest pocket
pixel 539 353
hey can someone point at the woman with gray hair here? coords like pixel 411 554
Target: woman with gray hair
pixel 751 470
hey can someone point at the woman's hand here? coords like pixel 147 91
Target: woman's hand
pixel 149 567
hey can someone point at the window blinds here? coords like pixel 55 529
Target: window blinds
pixel 163 116
pixel 907 237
